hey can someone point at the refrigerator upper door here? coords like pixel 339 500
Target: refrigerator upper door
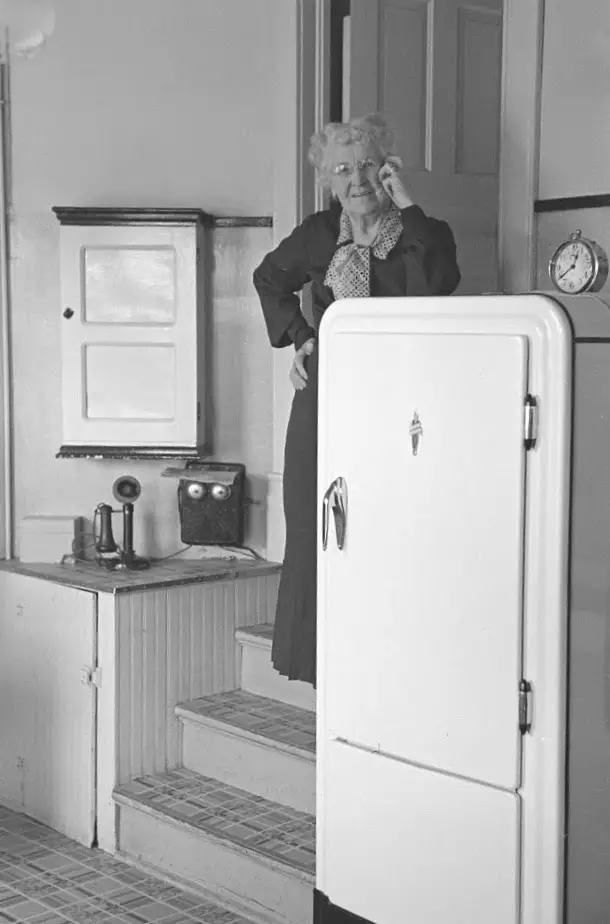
pixel 420 612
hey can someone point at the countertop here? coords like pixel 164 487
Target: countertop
pixel 90 576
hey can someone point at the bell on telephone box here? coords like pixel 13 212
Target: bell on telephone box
pixel 126 491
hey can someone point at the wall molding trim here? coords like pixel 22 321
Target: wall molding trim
pixel 572 203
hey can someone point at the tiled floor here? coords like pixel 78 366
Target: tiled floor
pixel 282 833
pixel 268 717
pixel 45 878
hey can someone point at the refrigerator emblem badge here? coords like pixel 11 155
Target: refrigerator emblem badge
pixel 416 431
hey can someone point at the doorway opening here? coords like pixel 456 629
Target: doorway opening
pixel 435 70
pixel 339 60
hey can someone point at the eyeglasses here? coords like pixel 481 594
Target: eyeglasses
pixel 347 170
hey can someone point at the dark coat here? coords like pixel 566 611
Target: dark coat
pixel 423 262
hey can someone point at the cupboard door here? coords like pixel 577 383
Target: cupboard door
pixel 131 336
pixel 47 709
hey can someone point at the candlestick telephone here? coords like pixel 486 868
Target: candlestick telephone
pixel 110 555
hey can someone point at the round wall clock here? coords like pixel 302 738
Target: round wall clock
pixel 578 265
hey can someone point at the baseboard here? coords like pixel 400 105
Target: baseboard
pixel 324 912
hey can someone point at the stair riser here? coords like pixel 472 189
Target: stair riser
pixel 263 770
pixel 233 877
pixel 259 676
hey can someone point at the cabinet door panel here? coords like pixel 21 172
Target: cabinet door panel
pixel 47 712
pixel 130 336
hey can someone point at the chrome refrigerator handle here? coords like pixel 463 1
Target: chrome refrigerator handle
pixel 335 496
pixel 325 505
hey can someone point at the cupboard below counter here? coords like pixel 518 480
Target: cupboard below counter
pixel 92 664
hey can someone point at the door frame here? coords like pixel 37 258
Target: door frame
pixel 523 24
pixel 301 106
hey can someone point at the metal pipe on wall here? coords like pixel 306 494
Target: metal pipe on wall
pixel 25 27
pixel 5 320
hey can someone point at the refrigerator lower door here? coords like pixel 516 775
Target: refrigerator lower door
pixel 402 845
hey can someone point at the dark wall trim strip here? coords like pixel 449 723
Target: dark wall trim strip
pixel 78 215
pixel 263 221
pixel 572 203
pixel 131 452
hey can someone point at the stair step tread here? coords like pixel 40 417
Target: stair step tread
pixel 257 717
pixel 261 635
pixel 227 813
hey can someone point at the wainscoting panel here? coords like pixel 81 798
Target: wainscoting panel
pixel 173 645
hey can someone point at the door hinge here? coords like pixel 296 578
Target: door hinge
pixel 531 422
pixel 198 411
pixel 91 676
pixel 525 706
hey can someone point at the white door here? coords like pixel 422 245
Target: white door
pixel 47 709
pixel 420 612
pixel 435 68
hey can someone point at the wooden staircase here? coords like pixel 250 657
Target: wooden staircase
pixel 236 821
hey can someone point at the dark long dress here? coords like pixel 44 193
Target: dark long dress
pixel 423 262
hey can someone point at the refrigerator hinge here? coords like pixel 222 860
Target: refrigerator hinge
pixel 531 422
pixel 525 706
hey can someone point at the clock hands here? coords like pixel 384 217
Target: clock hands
pixel 569 269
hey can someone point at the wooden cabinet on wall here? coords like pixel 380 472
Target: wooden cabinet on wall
pixel 134 314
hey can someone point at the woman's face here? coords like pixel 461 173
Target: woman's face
pixel 353 175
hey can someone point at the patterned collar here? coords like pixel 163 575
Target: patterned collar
pixel 387 236
pixel 349 272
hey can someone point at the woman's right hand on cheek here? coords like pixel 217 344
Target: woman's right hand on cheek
pixel 298 372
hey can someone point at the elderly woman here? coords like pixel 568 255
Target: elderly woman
pixel 373 240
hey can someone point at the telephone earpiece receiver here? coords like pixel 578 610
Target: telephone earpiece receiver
pixel 126 489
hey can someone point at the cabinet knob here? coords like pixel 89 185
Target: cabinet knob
pixel 68 313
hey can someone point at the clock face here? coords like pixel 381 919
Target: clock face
pixel 574 267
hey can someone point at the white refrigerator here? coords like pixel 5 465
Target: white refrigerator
pixel 464 611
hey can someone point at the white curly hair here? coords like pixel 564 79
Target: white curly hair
pixel 371 130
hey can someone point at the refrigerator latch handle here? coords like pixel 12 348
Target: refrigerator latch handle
pixel 335 497
pixel 340 511
pixel 325 518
